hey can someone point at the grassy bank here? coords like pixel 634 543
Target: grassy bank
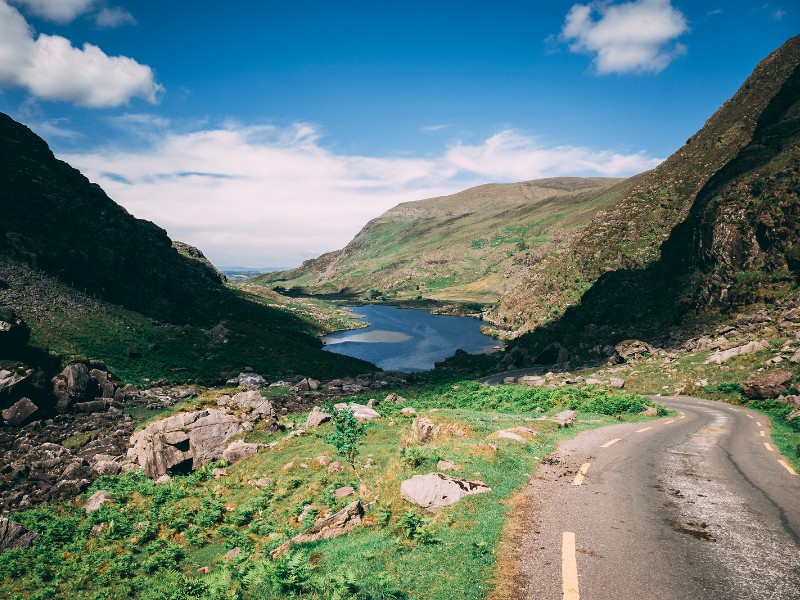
pixel 150 540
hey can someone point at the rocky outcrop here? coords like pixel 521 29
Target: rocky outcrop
pixel 338 524
pixel 254 403
pixel 183 442
pixel 436 490
pixel 14 535
pixel 767 385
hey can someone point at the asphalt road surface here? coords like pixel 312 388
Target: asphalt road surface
pixel 700 506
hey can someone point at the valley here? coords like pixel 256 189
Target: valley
pixel 168 432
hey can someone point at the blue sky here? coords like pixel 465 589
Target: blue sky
pixel 269 132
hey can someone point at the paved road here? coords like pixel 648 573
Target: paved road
pixel 696 507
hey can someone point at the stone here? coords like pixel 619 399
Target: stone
pixel 255 403
pixel 509 380
pixel 91 406
pixel 629 349
pixel 10 380
pixel 306 385
pixel 14 535
pixel 424 430
pixel 19 412
pixel 795 358
pixel 532 380
pixel 335 467
pixel 239 450
pixel 360 411
pixel 14 336
pixel 344 492
pixel 232 553
pixel 408 411
pixel 338 524
pixel 219 473
pixel 317 416
pixel 73 384
pixel 767 385
pixel 107 467
pixel 251 381
pixel 183 442
pixel 616 382
pixel 650 411
pixel 720 356
pixel 510 435
pixel 164 479
pixel 97 500
pixel 446 465
pixel 565 418
pixel 263 482
pixel 436 490
pixel 394 398
pixel 68 488
pixel 592 381
pixel 203 570
pixel 323 460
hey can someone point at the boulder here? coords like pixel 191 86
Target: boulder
pixel 509 380
pixel 408 411
pixel 317 416
pixel 592 381
pixel 515 434
pixel 720 356
pixel 239 450
pixel 616 382
pixel 306 385
pixel 394 398
pixel 232 553
pixel 19 412
pixel 360 411
pixel 532 380
pixel 795 358
pixel 251 381
pixel 767 385
pixel 335 467
pixel 436 490
pixel 338 524
pixel 96 500
pixel 565 418
pixel 629 349
pixel 344 492
pixel 446 465
pixel 183 442
pixel 14 535
pixel 650 411
pixel 255 404
pixel 424 430
pixel 73 384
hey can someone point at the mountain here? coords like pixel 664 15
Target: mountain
pixel 531 250
pixel 92 281
pixel 465 247
pixel 738 245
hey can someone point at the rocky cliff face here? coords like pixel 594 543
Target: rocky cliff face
pixel 57 221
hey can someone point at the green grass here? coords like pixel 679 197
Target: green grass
pixel 149 541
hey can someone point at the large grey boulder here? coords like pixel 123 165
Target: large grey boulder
pixel 14 535
pixel 436 490
pixel 251 381
pixel 73 384
pixel 720 356
pixel 360 411
pixel 183 442
pixel 253 402
pixel 767 385
pixel 19 412
pixel 240 450
pixel 317 416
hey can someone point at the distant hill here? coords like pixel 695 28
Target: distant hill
pixel 466 247
pixel 92 281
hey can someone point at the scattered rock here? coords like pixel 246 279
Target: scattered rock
pixel 263 482
pixel 255 404
pixel 795 357
pixel 436 490
pixel 650 411
pixel 360 412
pixel 251 381
pixel 616 382
pixel 232 553
pixel 767 385
pixel 424 430
pixel 446 465
pixel 335 467
pixel 19 412
pixel 408 411
pixel 394 398
pixel 565 418
pixel 344 492
pixel 239 450
pixel 532 380
pixel 592 381
pixel 97 500
pixel 720 356
pixel 14 535
pixel 164 479
pixel 340 523
pixel 629 349
pixel 204 570
pixel 219 473
pixel 317 416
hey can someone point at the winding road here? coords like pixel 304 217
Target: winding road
pixel 699 506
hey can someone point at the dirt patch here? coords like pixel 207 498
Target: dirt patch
pixel 696 530
pixel 522 518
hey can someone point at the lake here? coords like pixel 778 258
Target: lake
pixel 401 339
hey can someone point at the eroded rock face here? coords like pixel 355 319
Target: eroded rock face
pixel 183 442
pixel 14 535
pixel 436 490
pixel 767 385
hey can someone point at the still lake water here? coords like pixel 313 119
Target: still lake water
pixel 401 339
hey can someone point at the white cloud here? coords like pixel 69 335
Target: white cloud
pixel 631 37
pixel 110 18
pixel 60 11
pixel 51 68
pixel 259 195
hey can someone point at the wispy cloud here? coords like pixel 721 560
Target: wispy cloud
pixel 278 195
pixel 434 128
pixel 59 11
pixel 51 68
pixel 629 37
pixel 111 18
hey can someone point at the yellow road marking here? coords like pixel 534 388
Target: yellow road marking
pixel 645 429
pixel 762 433
pixel 788 467
pixel 749 416
pixel 734 409
pixel 758 423
pixel 768 447
pixel 611 443
pixel 581 474
pixel 669 422
pixel 683 416
pixel 569 567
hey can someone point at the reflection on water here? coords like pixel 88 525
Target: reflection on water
pixel 408 340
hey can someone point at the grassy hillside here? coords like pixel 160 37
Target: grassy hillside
pixel 466 247
pixel 92 281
